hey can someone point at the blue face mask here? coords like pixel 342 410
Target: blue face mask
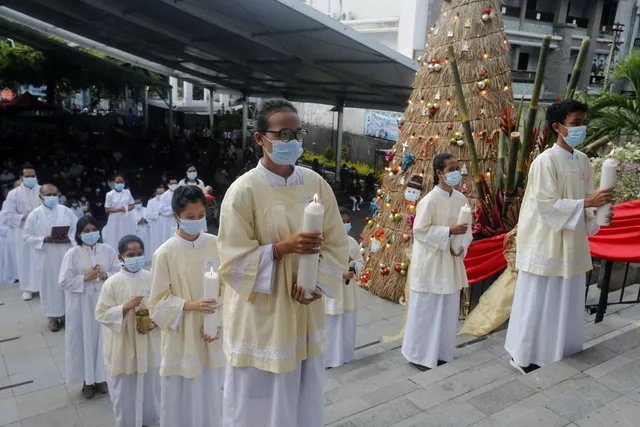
pixel 118 187
pixel 138 205
pixel 347 227
pixel 134 264
pixel 90 239
pixel 51 201
pixel 30 182
pixel 193 226
pixel 285 153
pixel 84 199
pixel 575 136
pixel 75 205
pixel 192 175
pixel 453 178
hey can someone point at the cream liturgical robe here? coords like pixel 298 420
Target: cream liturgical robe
pixel 48 256
pixel 83 337
pixel 19 202
pixel 435 280
pixel 272 332
pixel 131 359
pixel 552 257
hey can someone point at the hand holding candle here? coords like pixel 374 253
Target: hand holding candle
pixel 212 290
pixel 607 180
pixel 308 265
pixel 464 217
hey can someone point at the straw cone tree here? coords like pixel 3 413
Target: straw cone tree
pixel 432 124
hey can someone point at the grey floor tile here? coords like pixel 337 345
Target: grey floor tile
pixel 94 413
pixel 41 377
pixel 385 415
pixel 472 359
pixel 634 394
pixel 8 411
pixel 568 385
pixel 63 417
pixel 541 417
pixel 589 358
pixel 623 379
pixel 549 376
pixel 521 408
pixel 486 388
pixel 3 368
pixel 623 343
pixel 487 422
pixel 501 397
pixel 23 343
pixel 424 379
pixel 54 338
pixel 608 366
pixel 7 392
pixel 389 392
pixel 42 401
pixel 24 362
pixel 343 409
pixel 623 412
pixel 453 415
pixel 574 405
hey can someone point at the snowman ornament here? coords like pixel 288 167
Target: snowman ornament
pixel 413 191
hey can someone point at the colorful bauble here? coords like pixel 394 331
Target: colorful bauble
pixel 488 11
pixel 370 223
pixel 404 266
pixel 429 105
pixel 437 67
pixel 482 85
pixel 403 272
pixel 487 81
pixel 460 142
pixel 486 17
pixel 394 211
pixel 405 237
pixel 397 217
pixel 379 192
pixel 453 141
pixel 397 268
pixel 458 135
pixel 420 59
pixel 436 106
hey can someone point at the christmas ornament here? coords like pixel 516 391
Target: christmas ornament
pixel 460 142
pixel 436 105
pixel 373 208
pixel 450 126
pixel 394 211
pixel 437 68
pixel 405 145
pixel 430 67
pixel 410 220
pixel 371 223
pixel 389 156
pixel 487 81
pixel 464 171
pixel 404 266
pixel 458 135
pixel 488 11
pixel 420 59
pixel 413 190
pixel 465 46
pixel 395 170
pixel 429 105
pixel 375 246
pixel 453 141
pixel 450 34
pixel 482 72
pixel 387 198
pixel 437 98
pixel 432 111
pixel 434 61
pixel 483 113
pixel 397 217
pixel 379 192
pixel 402 180
pixel 464 188
pixel 486 17
pixel 405 237
pixel 482 85
pixel 362 250
pixel 403 272
pixel 397 268
pixel 408 160
pixel 467 23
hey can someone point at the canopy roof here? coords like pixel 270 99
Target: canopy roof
pixel 255 47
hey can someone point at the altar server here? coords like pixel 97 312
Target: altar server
pixel 8 270
pixel 19 203
pixel 120 222
pixel 167 222
pixel 437 272
pixel 192 366
pixel 557 214
pixel 84 270
pixel 131 351
pixel 274 336
pixel 153 217
pixel 143 229
pixel 49 251
pixel 341 309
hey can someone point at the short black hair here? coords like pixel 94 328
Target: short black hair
pixel 184 196
pixel 82 223
pixel 189 166
pixel 26 167
pixel 345 211
pixel 118 175
pixel 558 112
pixel 122 244
pixel 269 107
pixel 439 163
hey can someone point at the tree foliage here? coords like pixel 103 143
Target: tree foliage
pixel 20 64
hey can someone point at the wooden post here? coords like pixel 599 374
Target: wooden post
pixel 466 123
pixel 502 147
pixel 577 69
pixel 510 189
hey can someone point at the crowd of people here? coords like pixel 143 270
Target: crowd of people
pixel 142 336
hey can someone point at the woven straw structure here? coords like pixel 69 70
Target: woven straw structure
pixel 482 52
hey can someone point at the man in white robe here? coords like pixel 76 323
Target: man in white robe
pixel 557 214
pixel 19 203
pixel 49 251
pixel 437 272
pixel 8 270
pixel 153 217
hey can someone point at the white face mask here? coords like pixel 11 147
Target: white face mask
pixel 173 187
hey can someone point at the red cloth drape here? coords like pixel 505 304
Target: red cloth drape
pixel 619 242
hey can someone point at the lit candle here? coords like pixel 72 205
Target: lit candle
pixel 464 217
pixel 607 180
pixel 212 290
pixel 308 265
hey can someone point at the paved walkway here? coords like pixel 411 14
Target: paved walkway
pixel 599 387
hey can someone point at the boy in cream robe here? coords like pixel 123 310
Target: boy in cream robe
pixel 274 336
pixel 553 254
pixel 437 271
pixel 192 366
pixel 131 354
pixel 340 310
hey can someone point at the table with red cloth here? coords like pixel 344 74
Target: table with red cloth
pixel 619 242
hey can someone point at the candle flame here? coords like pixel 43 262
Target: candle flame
pixel 612 152
pixel 315 198
pixel 211 271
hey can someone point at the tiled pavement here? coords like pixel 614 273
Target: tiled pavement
pixel 599 387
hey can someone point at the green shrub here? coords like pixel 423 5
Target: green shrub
pixel 330 154
pixel 361 168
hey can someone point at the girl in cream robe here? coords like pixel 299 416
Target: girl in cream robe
pixel 192 369
pixel 436 277
pixel 340 310
pixel 131 357
pixel 83 338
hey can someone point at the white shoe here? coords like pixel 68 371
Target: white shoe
pixel 26 295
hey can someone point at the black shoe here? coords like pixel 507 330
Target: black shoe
pixel 524 369
pixel 102 387
pixel 419 367
pixel 61 321
pixel 441 362
pixel 88 391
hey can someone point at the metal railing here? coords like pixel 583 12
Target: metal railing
pixel 601 308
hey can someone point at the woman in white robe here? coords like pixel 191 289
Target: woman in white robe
pixel 167 222
pixel 84 270
pixel 340 311
pixel 192 366
pixel 143 229
pixel 131 354
pixel 437 272
pixel 118 204
pixel 191 178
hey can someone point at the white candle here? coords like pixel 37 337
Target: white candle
pixel 308 266
pixel 464 217
pixel 607 180
pixel 211 290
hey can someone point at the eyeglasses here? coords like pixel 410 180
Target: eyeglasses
pixel 287 135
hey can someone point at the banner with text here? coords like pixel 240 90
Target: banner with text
pixel 381 124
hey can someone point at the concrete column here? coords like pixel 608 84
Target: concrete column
pixel 146 109
pixel 592 32
pixel 245 120
pixel 171 113
pixel 559 63
pixel 340 109
pixel 523 13
pixel 636 27
pixel 188 94
pixel 173 81
pixel 412 30
pixel 560 15
pixel 211 112
pixel 624 15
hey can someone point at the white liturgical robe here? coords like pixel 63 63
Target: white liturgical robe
pixel 132 359
pixel 83 337
pixel 48 256
pixel 435 280
pixel 143 230
pixel 167 223
pixel 552 257
pixel 119 224
pixel 153 217
pixel 274 345
pixel 20 202
pixel 8 267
